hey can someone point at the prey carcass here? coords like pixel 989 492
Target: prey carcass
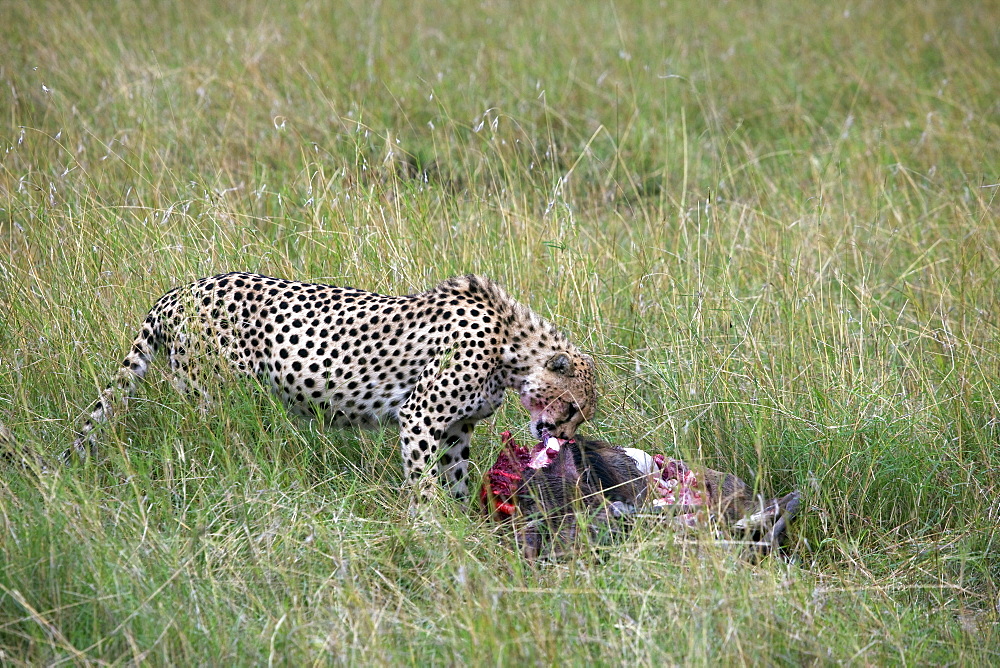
pixel 551 490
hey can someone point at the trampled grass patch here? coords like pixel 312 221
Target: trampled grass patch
pixel 774 226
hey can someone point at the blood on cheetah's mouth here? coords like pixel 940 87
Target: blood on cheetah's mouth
pixel 540 429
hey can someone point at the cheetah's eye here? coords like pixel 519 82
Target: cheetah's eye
pixel 561 364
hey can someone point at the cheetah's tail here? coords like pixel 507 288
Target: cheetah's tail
pixel 145 346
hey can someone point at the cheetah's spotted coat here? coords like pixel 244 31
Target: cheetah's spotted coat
pixel 435 362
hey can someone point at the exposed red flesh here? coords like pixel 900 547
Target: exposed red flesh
pixel 501 482
pixel 675 484
pixel 544 485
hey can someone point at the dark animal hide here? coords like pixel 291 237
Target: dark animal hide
pixel 544 491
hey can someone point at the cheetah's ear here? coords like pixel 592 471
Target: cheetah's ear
pixel 561 364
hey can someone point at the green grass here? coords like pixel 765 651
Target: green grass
pixel 775 225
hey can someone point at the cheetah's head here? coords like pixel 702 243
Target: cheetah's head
pixel 560 394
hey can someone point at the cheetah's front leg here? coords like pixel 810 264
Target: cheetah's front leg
pixel 428 424
pixel 419 439
pixel 453 466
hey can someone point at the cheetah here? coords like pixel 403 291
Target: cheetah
pixel 435 363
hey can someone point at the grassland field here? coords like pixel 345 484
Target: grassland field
pixel 775 225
